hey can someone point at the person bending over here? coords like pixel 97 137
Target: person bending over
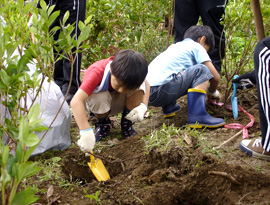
pixel 186 68
pixel 111 86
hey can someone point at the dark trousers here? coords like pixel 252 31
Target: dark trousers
pixel 62 69
pixel 187 13
pixel 262 71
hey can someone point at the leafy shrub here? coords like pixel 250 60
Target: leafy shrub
pixel 21 45
pixel 123 24
pixel 241 39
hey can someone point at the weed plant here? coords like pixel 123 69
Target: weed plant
pixel 167 136
pixel 160 138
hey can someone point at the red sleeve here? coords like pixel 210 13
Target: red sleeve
pixel 93 75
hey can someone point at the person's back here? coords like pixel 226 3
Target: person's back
pixel 181 55
pixel 191 51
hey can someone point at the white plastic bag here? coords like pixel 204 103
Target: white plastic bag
pixel 50 99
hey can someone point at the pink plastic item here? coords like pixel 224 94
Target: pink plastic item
pixel 239 126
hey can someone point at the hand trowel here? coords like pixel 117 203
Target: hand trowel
pixel 98 168
pixel 234 99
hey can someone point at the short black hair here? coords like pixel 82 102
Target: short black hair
pixel 195 32
pixel 130 68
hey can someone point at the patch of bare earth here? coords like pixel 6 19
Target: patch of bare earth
pixel 188 174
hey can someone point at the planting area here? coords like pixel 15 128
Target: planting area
pixel 166 163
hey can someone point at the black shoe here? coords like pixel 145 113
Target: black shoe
pixel 126 127
pixel 102 129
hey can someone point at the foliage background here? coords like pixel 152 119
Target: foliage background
pixel 141 25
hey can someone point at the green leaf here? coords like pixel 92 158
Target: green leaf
pixel 31 169
pixel 34 19
pixel 4 77
pixel 39 128
pixel 23 130
pixel 32 140
pixel 90 196
pixel 25 197
pixel 53 17
pixel 43 4
pixel 29 152
pixel 50 10
pixel 54 29
pixel 35 123
pixel 22 63
pixel 81 25
pixel 5 155
pixel 32 51
pixel 56 159
pixel 18 171
pixel 19 151
pixel 34 113
pixel 66 16
pixel 11 162
pixel 88 19
pixel 5 177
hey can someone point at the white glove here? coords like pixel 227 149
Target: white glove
pixel 87 140
pixel 214 95
pixel 137 113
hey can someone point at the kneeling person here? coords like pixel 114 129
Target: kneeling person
pixel 186 68
pixel 111 86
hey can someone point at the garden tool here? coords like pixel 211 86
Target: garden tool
pixel 98 168
pixel 197 115
pixel 234 100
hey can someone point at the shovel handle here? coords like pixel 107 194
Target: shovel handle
pixel 234 86
pixel 92 158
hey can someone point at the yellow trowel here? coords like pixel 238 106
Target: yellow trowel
pixel 98 168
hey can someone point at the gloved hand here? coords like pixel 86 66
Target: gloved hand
pixel 245 81
pixel 87 140
pixel 137 113
pixel 214 95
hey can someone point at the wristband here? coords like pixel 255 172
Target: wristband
pixel 81 131
pixel 145 106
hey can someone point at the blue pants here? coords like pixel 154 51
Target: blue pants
pixel 191 77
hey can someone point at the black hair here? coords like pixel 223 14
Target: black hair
pixel 195 32
pixel 130 68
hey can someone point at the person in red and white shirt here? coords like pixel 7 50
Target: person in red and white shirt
pixel 111 86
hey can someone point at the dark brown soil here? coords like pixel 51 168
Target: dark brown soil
pixel 193 173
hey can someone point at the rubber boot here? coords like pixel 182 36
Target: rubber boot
pixel 170 110
pixel 126 125
pixel 197 114
pixel 103 127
